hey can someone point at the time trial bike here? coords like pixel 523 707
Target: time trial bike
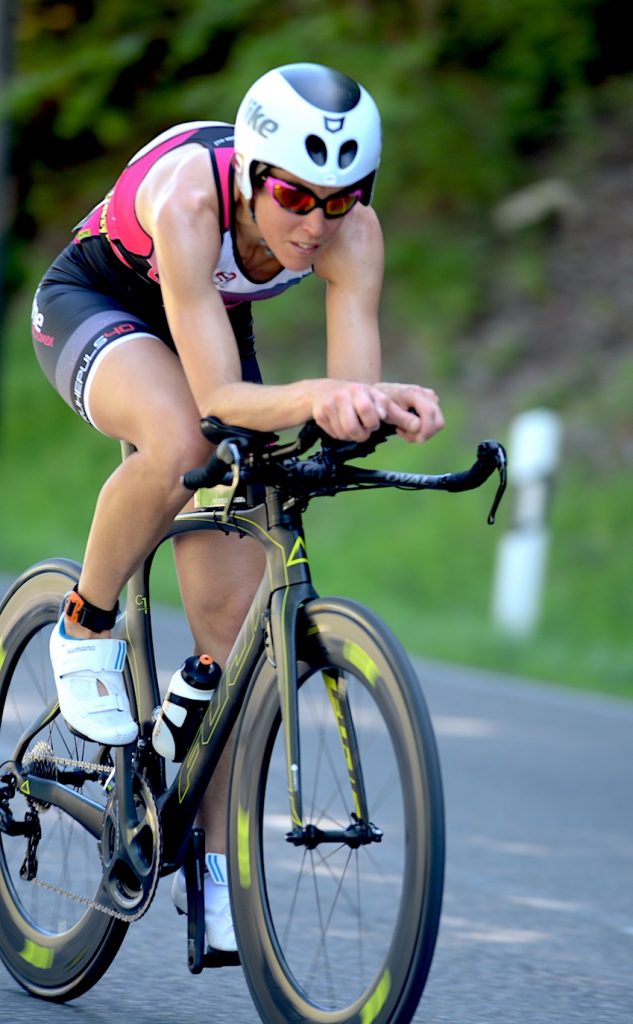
pixel 335 824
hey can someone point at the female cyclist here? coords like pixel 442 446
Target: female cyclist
pixel 143 324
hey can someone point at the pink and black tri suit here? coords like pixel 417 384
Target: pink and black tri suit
pixel 104 289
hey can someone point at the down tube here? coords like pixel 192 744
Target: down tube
pixel 179 805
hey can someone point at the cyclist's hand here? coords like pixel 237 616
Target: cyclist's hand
pixel 414 411
pixel 350 411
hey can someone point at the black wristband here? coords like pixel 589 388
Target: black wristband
pixel 78 610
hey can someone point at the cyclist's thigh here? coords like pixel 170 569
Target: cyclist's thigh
pixel 138 385
pixel 139 392
pixel 73 326
pixel 110 366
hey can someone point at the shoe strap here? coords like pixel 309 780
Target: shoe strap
pixel 90 655
pixel 93 702
pixel 89 615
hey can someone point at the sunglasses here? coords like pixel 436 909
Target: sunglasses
pixel 300 200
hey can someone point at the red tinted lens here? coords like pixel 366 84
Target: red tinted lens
pixel 293 198
pixel 338 206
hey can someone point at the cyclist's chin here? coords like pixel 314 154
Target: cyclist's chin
pixel 300 256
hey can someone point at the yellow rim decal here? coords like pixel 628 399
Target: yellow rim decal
pixel 243 852
pixel 38 956
pixel 361 660
pixel 377 1000
pixel 3 655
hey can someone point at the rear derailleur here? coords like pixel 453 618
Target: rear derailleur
pixel 29 827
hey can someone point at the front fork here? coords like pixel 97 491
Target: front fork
pixel 286 620
pixel 284 611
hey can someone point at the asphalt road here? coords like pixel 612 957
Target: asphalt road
pixel 537 923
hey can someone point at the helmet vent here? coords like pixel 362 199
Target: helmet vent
pixel 347 153
pixel 317 150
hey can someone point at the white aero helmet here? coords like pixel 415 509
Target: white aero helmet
pixel 312 122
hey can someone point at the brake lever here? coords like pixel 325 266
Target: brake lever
pixel 229 452
pixel 501 460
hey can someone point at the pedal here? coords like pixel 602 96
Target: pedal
pixel 221 958
pixel 198 956
pixel 194 872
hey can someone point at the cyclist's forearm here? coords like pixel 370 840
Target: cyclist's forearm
pixel 262 406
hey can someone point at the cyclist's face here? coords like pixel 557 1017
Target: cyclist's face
pixel 296 240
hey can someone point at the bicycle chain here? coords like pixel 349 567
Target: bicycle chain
pixel 91 904
pixel 42 751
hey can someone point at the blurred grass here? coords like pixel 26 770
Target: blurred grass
pixel 425 562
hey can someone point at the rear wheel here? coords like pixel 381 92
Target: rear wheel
pixel 330 931
pixel 55 946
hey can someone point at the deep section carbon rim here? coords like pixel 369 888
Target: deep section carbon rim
pixel 55 944
pixel 337 932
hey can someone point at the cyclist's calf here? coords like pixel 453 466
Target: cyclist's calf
pixel 218 576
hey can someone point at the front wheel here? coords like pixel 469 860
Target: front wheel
pixel 329 931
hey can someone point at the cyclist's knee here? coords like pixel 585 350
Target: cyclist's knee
pixel 216 618
pixel 174 449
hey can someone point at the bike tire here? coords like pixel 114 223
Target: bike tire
pixel 348 957
pixel 55 948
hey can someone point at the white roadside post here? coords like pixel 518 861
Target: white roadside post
pixel 533 455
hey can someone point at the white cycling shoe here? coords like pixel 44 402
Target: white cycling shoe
pixel 90 687
pixel 217 907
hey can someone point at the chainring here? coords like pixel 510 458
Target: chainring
pixel 130 875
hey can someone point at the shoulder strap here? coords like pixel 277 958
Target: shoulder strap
pixel 223 160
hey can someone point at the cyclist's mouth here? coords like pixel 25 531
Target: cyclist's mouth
pixel 306 248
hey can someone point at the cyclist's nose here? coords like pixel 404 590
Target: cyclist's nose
pixel 315 221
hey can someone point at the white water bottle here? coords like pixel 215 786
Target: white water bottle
pixel 183 708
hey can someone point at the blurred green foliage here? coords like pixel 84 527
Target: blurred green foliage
pixel 466 89
pixel 470 94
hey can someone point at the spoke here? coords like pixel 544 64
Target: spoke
pixel 359 920
pixel 334 875
pixel 295 896
pixel 317 897
pixel 38 672
pixel 64 830
pixel 334 900
pixel 61 735
pixel 324 926
pixel 65 853
pixel 344 796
